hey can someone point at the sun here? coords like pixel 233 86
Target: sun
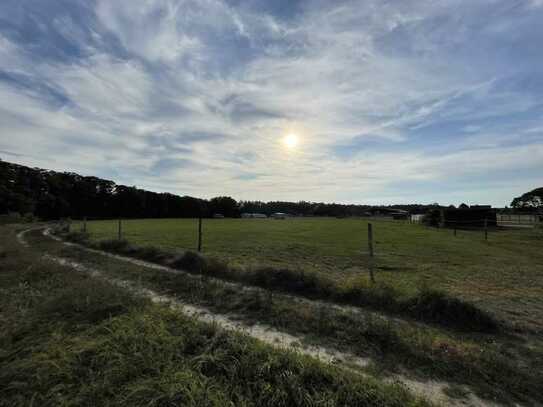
pixel 291 140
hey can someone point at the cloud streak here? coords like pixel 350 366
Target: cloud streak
pixel 393 101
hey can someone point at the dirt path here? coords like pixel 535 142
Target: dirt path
pixel 431 390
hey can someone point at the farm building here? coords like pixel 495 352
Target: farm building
pixel 388 213
pixel 512 219
pixel 417 218
pixel 472 216
pixel 279 215
pixel 254 215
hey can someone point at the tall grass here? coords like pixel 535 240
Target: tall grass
pixel 67 339
pixel 488 367
pixel 428 305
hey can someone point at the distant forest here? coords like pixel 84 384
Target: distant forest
pixel 53 195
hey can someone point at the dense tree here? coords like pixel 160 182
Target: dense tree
pixel 53 195
pixel 224 205
pixel 529 200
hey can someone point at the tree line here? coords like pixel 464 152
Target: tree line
pixel 53 195
pixel 50 194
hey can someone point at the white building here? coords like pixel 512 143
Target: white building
pixel 253 215
pixel 518 219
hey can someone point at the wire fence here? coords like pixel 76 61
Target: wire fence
pixel 369 243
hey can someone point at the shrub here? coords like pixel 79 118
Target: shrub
pixel 190 261
pixel 436 306
pixel 289 280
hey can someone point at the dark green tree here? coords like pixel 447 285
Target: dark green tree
pixel 529 200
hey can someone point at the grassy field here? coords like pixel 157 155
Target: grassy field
pixel 70 340
pixel 503 275
pixel 493 366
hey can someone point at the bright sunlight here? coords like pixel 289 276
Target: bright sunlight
pixel 291 140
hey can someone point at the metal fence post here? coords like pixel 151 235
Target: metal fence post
pixel 370 249
pixel 200 234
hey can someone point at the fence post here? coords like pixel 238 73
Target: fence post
pixel 486 229
pixel 84 224
pixel 200 234
pixel 370 249
pixel 455 229
pixel 119 230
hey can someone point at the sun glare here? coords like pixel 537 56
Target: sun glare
pixel 291 140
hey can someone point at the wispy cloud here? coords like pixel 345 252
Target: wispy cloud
pixel 194 96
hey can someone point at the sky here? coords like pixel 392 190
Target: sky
pixel 387 101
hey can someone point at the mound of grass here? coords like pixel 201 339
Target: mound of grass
pixel 434 305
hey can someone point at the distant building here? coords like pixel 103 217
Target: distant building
pixel 417 218
pixel 512 219
pixel 473 216
pixel 279 215
pixel 389 213
pixel 254 215
pixel 218 215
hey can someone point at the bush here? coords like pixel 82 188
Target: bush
pixel 290 280
pixel 432 218
pixel 436 306
pixel 190 261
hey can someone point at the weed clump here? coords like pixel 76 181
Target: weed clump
pixel 427 305
pixel 190 261
pixel 293 281
pixel 437 306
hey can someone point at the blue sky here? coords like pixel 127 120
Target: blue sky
pixel 392 101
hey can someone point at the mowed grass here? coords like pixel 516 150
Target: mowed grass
pixel 503 275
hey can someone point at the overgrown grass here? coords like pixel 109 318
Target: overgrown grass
pixel 503 275
pixel 67 339
pixel 428 305
pixel 488 367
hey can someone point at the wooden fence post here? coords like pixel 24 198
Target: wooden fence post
pixel 370 249
pixel 119 230
pixel 455 229
pixel 486 229
pixel 84 224
pixel 200 234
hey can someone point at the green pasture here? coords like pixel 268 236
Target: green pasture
pixel 503 274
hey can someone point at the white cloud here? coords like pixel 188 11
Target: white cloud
pixel 336 74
